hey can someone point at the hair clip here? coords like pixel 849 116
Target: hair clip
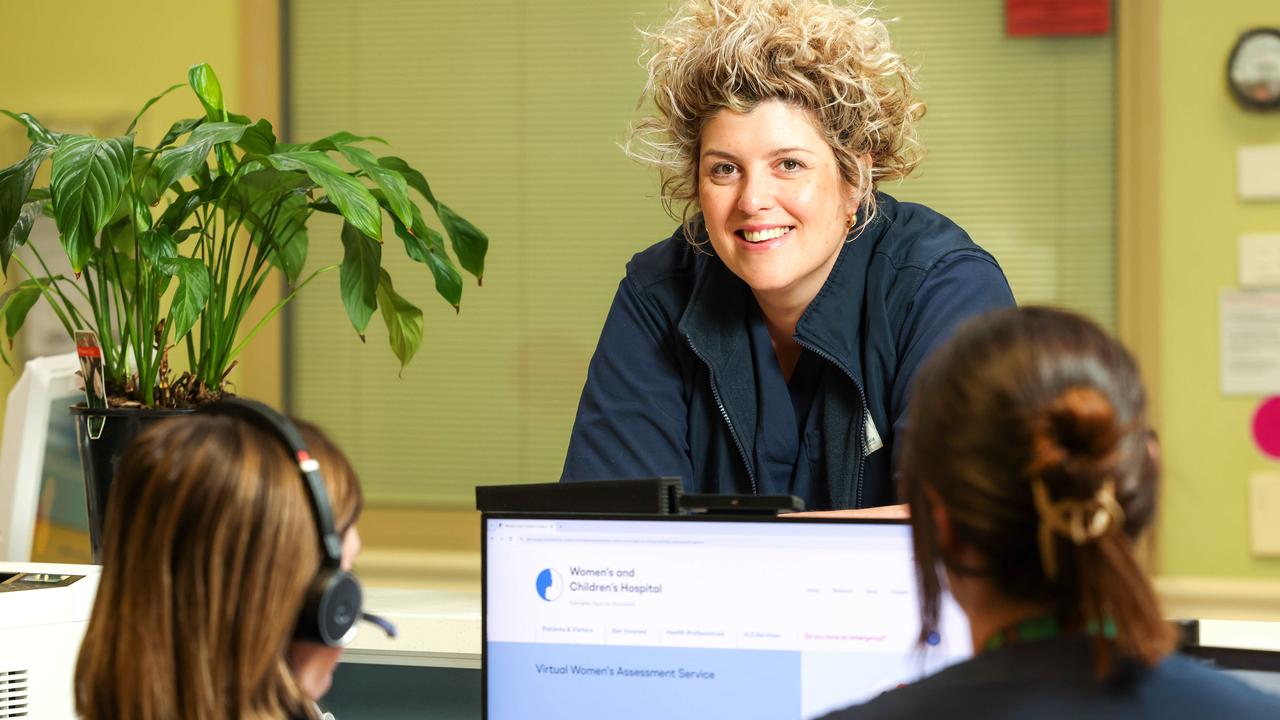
pixel 1081 520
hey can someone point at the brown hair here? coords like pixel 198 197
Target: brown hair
pixel 1027 399
pixel 209 544
pixel 834 61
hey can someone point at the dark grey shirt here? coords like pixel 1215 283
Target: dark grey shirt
pixel 1054 679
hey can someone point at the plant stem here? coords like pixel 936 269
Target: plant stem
pixel 111 368
pixel 191 353
pixel 49 273
pixel 275 310
pixel 44 290
pixel 123 319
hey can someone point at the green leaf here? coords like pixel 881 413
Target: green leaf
pixel 147 106
pixel 205 83
pixel 179 210
pixel 16 303
pixel 190 297
pixel 258 138
pixel 145 176
pixel 124 270
pixel 291 239
pixel 426 246
pixel 120 236
pixel 177 163
pixel 177 130
pixel 21 230
pixel 279 198
pixel 358 277
pixel 217 132
pixel 141 213
pixel 338 139
pixel 15 186
pixel 202 176
pixel 325 206
pixel 260 189
pixel 87 179
pixel 470 244
pixel 180 162
pixel 36 132
pixel 160 249
pixel 389 181
pixel 415 179
pixel 353 199
pixel 403 319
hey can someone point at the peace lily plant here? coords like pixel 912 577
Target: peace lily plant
pixel 169 244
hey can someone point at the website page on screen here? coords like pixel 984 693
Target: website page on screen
pixel 651 618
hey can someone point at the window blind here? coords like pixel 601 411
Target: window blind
pixel 1020 138
pixel 513 110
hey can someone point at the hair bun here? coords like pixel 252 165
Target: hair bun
pixel 1077 436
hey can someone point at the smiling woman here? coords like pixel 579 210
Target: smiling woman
pixel 768 346
pixel 775 209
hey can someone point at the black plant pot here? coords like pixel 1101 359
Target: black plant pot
pixel 99 456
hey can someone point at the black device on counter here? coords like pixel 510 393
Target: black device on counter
pixel 750 504
pixel 648 496
pixel 640 496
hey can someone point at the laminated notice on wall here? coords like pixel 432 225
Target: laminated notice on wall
pixel 1250 342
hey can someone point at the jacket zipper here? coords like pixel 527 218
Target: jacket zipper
pixel 715 393
pixel 862 418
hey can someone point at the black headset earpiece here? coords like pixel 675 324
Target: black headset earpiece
pixel 332 605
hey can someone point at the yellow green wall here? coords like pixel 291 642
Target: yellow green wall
pixel 73 62
pixel 81 58
pixel 1206 440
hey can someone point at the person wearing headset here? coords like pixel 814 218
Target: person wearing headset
pixel 767 347
pixel 226 588
pixel 1030 466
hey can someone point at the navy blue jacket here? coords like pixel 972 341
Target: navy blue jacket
pixel 1054 680
pixel 671 389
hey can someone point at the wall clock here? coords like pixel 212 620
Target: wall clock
pixel 1253 70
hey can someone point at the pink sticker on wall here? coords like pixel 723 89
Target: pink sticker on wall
pixel 1266 427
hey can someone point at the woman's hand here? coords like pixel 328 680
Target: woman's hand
pixel 886 512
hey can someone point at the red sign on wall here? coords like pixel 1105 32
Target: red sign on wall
pixel 1039 18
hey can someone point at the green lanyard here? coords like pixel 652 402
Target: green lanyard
pixel 1044 627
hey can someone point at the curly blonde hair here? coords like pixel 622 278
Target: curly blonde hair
pixel 836 62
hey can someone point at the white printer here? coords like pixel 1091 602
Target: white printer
pixel 44 610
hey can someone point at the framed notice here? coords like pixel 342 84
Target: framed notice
pixel 1044 18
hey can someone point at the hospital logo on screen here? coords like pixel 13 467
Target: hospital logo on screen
pixel 549 585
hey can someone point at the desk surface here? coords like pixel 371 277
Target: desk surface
pixel 437 628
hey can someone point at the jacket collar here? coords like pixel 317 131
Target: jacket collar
pixel 715 319
pixel 715 325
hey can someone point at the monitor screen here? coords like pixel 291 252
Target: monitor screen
pixel 61 533
pixel 43 516
pixel 645 618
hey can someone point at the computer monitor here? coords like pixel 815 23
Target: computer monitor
pixel 43 516
pixel 688 616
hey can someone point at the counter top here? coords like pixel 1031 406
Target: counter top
pixel 437 628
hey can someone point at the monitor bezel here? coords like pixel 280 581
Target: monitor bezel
pixel 485 517
pixel 26 427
